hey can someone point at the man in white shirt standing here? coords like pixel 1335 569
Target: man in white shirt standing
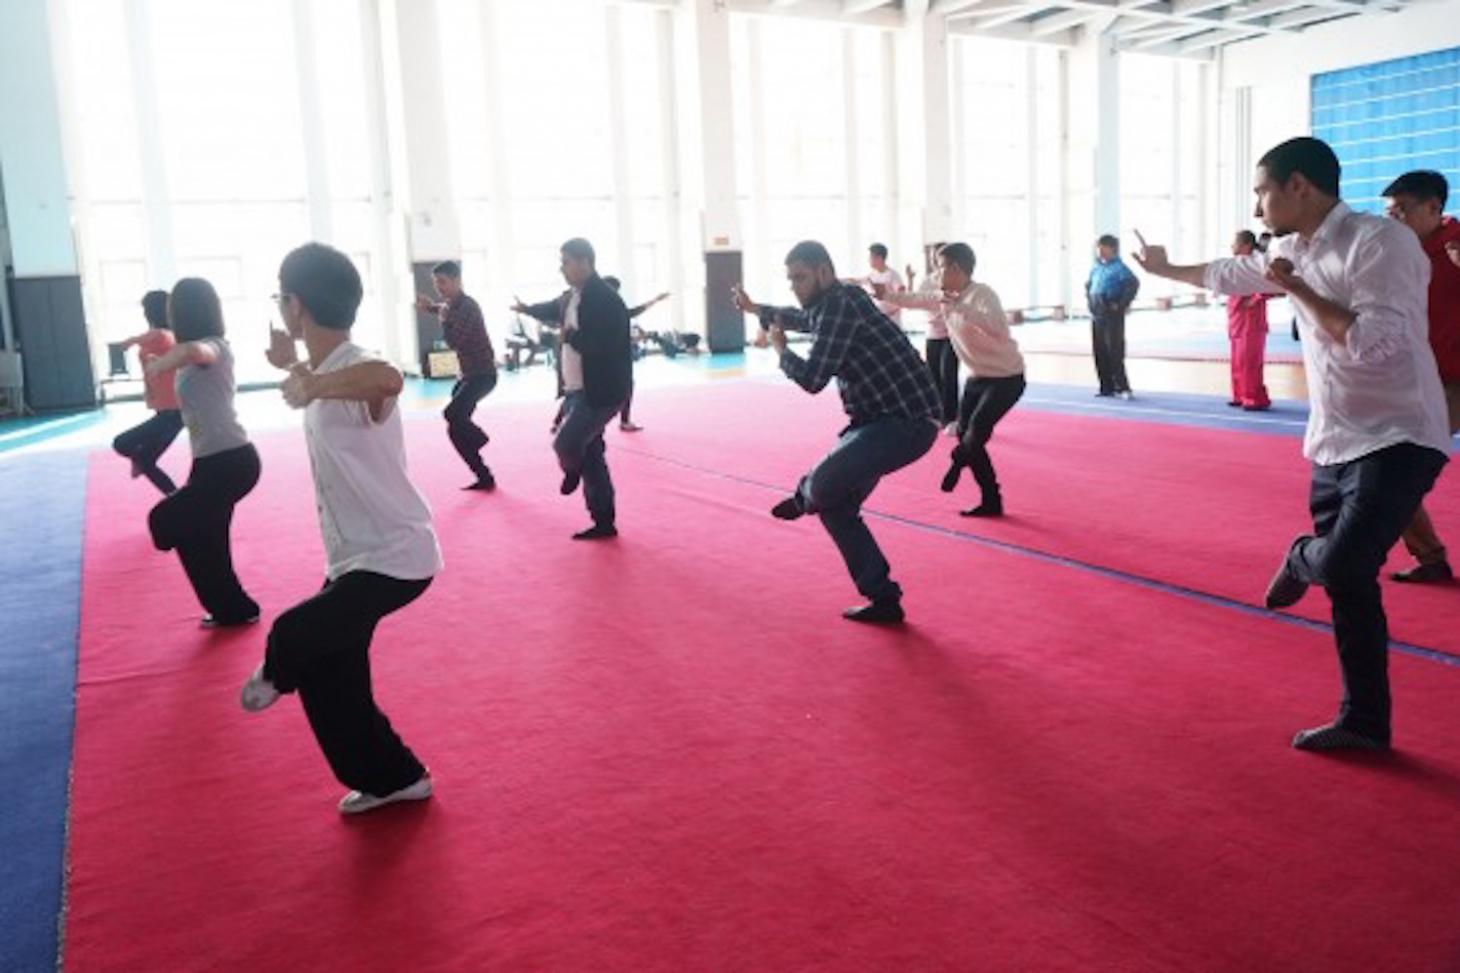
pixel 979 331
pixel 1378 433
pixel 884 282
pixel 378 537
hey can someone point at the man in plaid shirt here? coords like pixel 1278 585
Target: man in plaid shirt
pixel 465 333
pixel 887 392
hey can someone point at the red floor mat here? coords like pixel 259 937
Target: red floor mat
pixel 668 752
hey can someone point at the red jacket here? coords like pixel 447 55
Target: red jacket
pixel 1246 315
pixel 1445 300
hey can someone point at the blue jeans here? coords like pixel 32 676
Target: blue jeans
pixel 580 448
pixel 837 487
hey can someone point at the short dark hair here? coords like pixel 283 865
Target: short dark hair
pixel 1109 240
pixel 878 250
pixel 960 254
pixel 579 249
pixel 154 308
pixel 612 281
pixel 1247 237
pixel 810 253
pixel 448 268
pixel 325 282
pixel 194 310
pixel 1421 184
pixel 1309 156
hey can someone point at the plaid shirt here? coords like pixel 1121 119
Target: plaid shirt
pixel 876 369
pixel 465 331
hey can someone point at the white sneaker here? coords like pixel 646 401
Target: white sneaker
pixel 951 429
pixel 258 692
pixel 357 802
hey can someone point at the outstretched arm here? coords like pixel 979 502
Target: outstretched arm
pixel 187 353
pixel 374 383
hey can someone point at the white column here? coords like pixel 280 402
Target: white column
pixel 1031 168
pixel 756 235
pixel 1093 161
pixel 706 126
pixel 431 210
pixel 672 260
pixel 156 200
pixel 500 264
pixel 924 125
pixel 388 243
pixel 850 112
pixel 316 157
pixel 623 189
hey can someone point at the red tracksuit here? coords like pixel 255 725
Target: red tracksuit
pixel 1247 327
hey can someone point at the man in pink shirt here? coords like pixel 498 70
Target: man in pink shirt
pixel 144 444
pixel 1247 329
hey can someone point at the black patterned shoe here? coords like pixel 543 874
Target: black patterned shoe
pixel 1321 739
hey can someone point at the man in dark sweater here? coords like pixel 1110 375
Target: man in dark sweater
pixel 887 392
pixel 596 368
pixel 466 334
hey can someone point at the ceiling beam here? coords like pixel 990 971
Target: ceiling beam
pixel 1055 23
pixel 854 7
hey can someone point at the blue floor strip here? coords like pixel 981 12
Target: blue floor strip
pixel 42 509
pixel 1019 550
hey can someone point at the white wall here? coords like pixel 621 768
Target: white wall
pixel 30 144
pixel 1278 72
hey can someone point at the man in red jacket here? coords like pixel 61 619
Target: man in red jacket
pixel 1247 329
pixel 1418 199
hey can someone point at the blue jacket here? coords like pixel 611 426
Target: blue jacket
pixel 1111 288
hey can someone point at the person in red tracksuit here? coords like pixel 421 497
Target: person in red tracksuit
pixel 1417 199
pixel 1247 329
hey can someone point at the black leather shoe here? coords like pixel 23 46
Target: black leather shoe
pixel 484 482
pixel 788 509
pixel 570 483
pixel 1334 737
pixel 1437 573
pixel 1235 403
pixel 876 613
pixel 1284 590
pixel 955 470
pixel 598 532
pixel 208 621
pixel 993 507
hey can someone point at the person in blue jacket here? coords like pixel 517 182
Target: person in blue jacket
pixel 1109 291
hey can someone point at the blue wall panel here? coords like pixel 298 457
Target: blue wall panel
pixel 1386 118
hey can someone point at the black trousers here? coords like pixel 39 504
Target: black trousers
pixel 196 520
pixel 144 445
pixel 321 649
pixel 1107 333
pixel 1359 510
pixel 985 402
pixel 943 363
pixel 465 435
pixel 624 414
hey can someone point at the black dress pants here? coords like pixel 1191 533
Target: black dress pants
pixel 144 445
pixel 1107 334
pixel 321 649
pixel 196 522
pixel 985 402
pixel 943 363
pixel 465 435
pixel 1359 510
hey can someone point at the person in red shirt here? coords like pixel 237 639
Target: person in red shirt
pixel 1247 330
pixel 1417 199
pixel 465 332
pixel 145 444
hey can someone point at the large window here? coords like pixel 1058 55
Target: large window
pixel 813 119
pixel 183 170
pixel 1007 176
pixel 1161 155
